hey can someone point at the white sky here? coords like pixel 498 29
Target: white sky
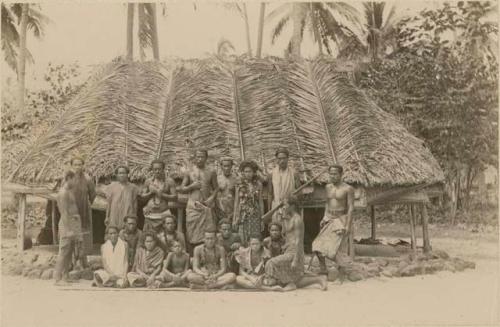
pixel 95 32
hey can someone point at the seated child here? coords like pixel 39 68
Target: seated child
pixel 147 263
pixel 175 267
pixel 131 235
pixel 114 253
pixel 170 234
pixel 252 261
pixel 275 241
pixel 231 242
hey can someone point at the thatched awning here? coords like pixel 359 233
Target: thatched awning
pixel 134 112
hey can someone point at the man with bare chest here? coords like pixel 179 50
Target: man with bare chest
pixel 200 182
pixel 337 219
pixel 226 191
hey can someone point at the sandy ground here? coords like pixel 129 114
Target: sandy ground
pixel 466 298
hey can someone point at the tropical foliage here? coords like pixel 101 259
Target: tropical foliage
pixel 445 89
pixel 324 20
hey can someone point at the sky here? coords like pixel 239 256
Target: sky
pixel 92 33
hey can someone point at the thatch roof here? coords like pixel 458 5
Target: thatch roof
pixel 135 112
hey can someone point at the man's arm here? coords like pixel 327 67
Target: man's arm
pixel 104 260
pixel 146 193
pixel 167 264
pixel 215 187
pixel 186 187
pixel 236 211
pixel 196 262
pixel 91 189
pixel 223 264
pixel 299 240
pixel 125 263
pixel 270 187
pixel 323 220
pixel 350 206
pixel 171 194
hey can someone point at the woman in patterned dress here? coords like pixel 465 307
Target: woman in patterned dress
pixel 249 204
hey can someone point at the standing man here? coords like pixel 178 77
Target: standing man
pixel 282 181
pixel 226 193
pixel 122 199
pixel 70 228
pixel 158 191
pixel 84 193
pixel 337 219
pixel 200 182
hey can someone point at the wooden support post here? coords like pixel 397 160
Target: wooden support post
pixel 425 228
pixel 180 218
pixel 21 219
pixel 54 230
pixel 374 225
pixel 412 229
pixel 350 240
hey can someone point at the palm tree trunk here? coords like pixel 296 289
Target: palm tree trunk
pixel 156 46
pixel 261 29
pixel 130 31
pixel 21 62
pixel 140 23
pixel 247 28
pixel 316 29
pixel 297 24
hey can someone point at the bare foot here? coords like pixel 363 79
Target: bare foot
pixel 167 285
pixel 324 283
pixel 290 287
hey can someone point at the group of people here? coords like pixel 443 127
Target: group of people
pixel 223 245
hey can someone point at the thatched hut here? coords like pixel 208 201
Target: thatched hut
pixel 135 112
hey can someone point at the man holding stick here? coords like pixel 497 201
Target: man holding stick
pixel 337 219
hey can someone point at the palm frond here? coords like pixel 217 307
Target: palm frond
pixel 133 112
pixel 283 10
pixel 276 32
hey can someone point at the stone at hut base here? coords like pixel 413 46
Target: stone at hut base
pixel 46 261
pixel 26 271
pixel 459 264
pixel 412 270
pixel 355 276
pixel 382 262
pixel 74 275
pixel 389 271
pixel 29 258
pixel 333 274
pixel 47 274
pixel 403 264
pixel 440 254
pixel 449 266
pixel 87 274
pixel 35 273
pixel 17 269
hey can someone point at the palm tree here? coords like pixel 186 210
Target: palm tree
pixel 241 9
pixel 147 29
pixel 261 29
pixel 17 19
pixel 11 17
pixel 320 18
pixel 378 33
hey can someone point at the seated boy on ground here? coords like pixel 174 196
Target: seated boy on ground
pixel 275 241
pixel 251 261
pixel 209 265
pixel 175 267
pixel 132 236
pixel 231 242
pixel 114 254
pixel 147 263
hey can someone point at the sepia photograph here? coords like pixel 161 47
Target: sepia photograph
pixel 232 163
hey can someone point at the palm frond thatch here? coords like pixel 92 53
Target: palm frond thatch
pixel 135 112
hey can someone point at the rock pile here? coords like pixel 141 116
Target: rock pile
pixel 41 265
pixel 403 266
